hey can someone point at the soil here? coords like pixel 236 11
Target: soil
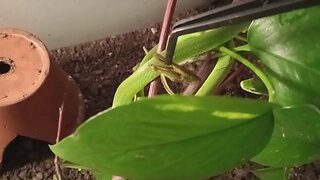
pixel 99 67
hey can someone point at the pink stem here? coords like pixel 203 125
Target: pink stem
pixel 167 19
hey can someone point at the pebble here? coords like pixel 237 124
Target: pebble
pixel 39 175
pixel 22 174
pixel 100 71
pixel 154 30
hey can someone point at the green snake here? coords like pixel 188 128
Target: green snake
pixel 188 46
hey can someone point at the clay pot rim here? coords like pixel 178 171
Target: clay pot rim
pixel 42 50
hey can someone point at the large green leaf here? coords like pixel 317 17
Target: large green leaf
pixel 171 137
pixel 289 45
pixel 296 138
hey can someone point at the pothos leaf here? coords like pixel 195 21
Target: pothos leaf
pixel 296 138
pixel 289 45
pixel 171 137
pixel 100 176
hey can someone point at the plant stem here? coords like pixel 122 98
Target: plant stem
pixel 171 5
pixel 241 38
pixel 56 160
pixel 206 69
pixel 253 68
pixel 218 74
pixel 148 56
pixel 245 47
pixel 154 87
pixel 203 74
pixel 230 79
pixel 166 85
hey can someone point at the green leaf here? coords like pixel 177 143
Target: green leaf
pixel 194 44
pixel 171 137
pixel 254 85
pixel 217 75
pixel 100 176
pixel 296 138
pixel 271 173
pixel 289 45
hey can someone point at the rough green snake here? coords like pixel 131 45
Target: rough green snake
pixel 188 46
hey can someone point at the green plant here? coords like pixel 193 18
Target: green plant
pixel 193 137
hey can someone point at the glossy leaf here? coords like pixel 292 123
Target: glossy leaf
pixel 289 45
pixel 254 85
pixel 271 174
pixel 296 138
pixel 100 176
pixel 194 44
pixel 171 137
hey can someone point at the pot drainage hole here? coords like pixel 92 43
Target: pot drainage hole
pixel 4 67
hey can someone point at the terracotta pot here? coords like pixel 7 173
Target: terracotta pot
pixel 32 88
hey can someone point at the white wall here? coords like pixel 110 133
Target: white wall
pixel 60 23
